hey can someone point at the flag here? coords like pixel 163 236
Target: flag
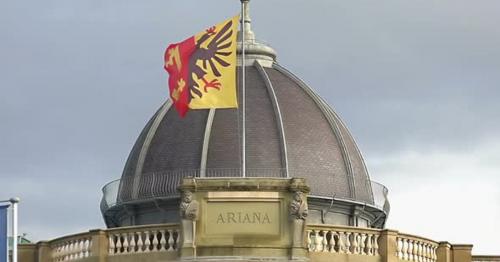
pixel 202 69
pixel 3 233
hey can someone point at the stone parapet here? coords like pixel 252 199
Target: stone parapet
pixel 246 219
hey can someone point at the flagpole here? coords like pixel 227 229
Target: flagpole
pixel 14 201
pixel 243 87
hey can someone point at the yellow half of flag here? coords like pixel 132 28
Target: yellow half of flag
pixel 212 67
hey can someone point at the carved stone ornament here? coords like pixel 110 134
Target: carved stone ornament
pixel 298 207
pixel 189 207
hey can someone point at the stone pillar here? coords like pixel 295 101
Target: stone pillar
pixel 26 252
pixel 298 212
pixel 461 253
pixel 100 245
pixel 388 245
pixel 443 252
pixel 44 252
pixel 189 212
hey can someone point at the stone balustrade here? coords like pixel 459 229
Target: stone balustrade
pixel 380 245
pixel 70 248
pixel 417 249
pixel 322 243
pixel 142 240
pixel 343 240
pixel 162 241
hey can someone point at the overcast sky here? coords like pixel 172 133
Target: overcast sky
pixel 417 82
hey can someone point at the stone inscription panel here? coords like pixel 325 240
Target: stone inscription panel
pixel 243 218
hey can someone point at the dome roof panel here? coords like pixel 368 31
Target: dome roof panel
pixel 263 139
pixel 313 150
pixel 177 142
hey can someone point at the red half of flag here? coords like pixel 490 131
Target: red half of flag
pixel 177 65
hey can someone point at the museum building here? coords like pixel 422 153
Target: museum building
pixel 304 195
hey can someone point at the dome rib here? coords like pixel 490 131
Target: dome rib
pixel 147 142
pixel 277 111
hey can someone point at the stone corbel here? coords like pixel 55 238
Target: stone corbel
pixel 298 211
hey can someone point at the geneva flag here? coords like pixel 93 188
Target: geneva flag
pixel 202 69
pixel 3 233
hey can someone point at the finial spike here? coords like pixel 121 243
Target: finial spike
pixel 247 22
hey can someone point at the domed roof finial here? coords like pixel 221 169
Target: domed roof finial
pixel 247 22
pixel 254 49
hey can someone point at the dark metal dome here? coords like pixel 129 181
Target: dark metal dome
pixel 291 132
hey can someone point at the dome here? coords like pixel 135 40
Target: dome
pixel 290 132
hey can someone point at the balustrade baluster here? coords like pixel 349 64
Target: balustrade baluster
pixel 155 240
pixel 147 242
pixel 88 245
pixel 375 245
pixel 177 236
pixel 118 244
pixel 369 245
pixel 69 254
pixel 73 249
pixel 325 242
pixel 317 241
pixel 70 250
pixel 59 252
pixel 426 252
pixel 332 241
pixel 418 254
pixel 416 250
pixel 405 248
pixel 341 245
pixel 140 243
pixel 308 240
pixel 399 248
pixel 354 243
pixel 163 241
pixel 63 251
pixel 125 243
pixel 84 248
pixel 66 251
pixel 133 243
pixel 362 244
pixel 423 245
pixel 78 249
pixel 411 246
pixel 348 242
pixel 429 255
pixel 111 244
pixel 170 240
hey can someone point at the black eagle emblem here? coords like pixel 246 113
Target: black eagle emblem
pixel 212 57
